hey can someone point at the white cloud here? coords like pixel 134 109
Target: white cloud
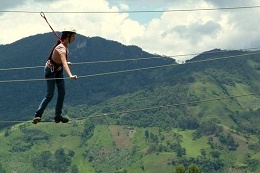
pixel 124 7
pixel 171 33
pixel 194 32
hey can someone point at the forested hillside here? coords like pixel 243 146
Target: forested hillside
pixel 93 55
pixel 201 116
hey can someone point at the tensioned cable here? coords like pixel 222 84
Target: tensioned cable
pixel 137 11
pixel 20 68
pixel 132 59
pixel 131 70
pixel 145 109
pixel 167 65
pixel 177 104
pixel 90 62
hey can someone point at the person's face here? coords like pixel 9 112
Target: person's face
pixel 72 37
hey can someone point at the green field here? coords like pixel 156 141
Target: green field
pixel 111 148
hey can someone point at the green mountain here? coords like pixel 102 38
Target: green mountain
pixel 33 51
pixel 200 116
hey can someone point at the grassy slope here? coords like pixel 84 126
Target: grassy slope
pixel 219 108
pixel 104 139
pixel 61 136
pixel 193 147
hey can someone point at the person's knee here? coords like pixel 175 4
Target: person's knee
pixel 49 97
pixel 61 93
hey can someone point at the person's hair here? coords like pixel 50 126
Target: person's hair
pixel 66 34
pixel 58 42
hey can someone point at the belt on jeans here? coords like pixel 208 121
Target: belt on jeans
pixel 52 67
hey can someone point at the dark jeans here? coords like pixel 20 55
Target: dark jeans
pixel 50 92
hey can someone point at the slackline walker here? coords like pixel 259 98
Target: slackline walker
pixel 53 72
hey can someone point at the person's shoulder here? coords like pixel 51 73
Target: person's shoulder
pixel 60 47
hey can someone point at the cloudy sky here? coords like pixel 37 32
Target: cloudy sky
pixel 166 32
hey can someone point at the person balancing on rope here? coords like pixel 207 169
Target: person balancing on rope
pixel 53 72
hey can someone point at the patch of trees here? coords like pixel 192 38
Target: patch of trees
pixel 188 122
pixel 157 144
pixel 255 147
pixel 248 122
pixel 228 141
pixel 252 164
pixel 20 146
pixel 207 128
pixel 191 169
pixel 2 170
pixel 88 131
pixel 206 165
pixel 34 135
pixel 27 140
pixel 59 162
pixel 164 118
